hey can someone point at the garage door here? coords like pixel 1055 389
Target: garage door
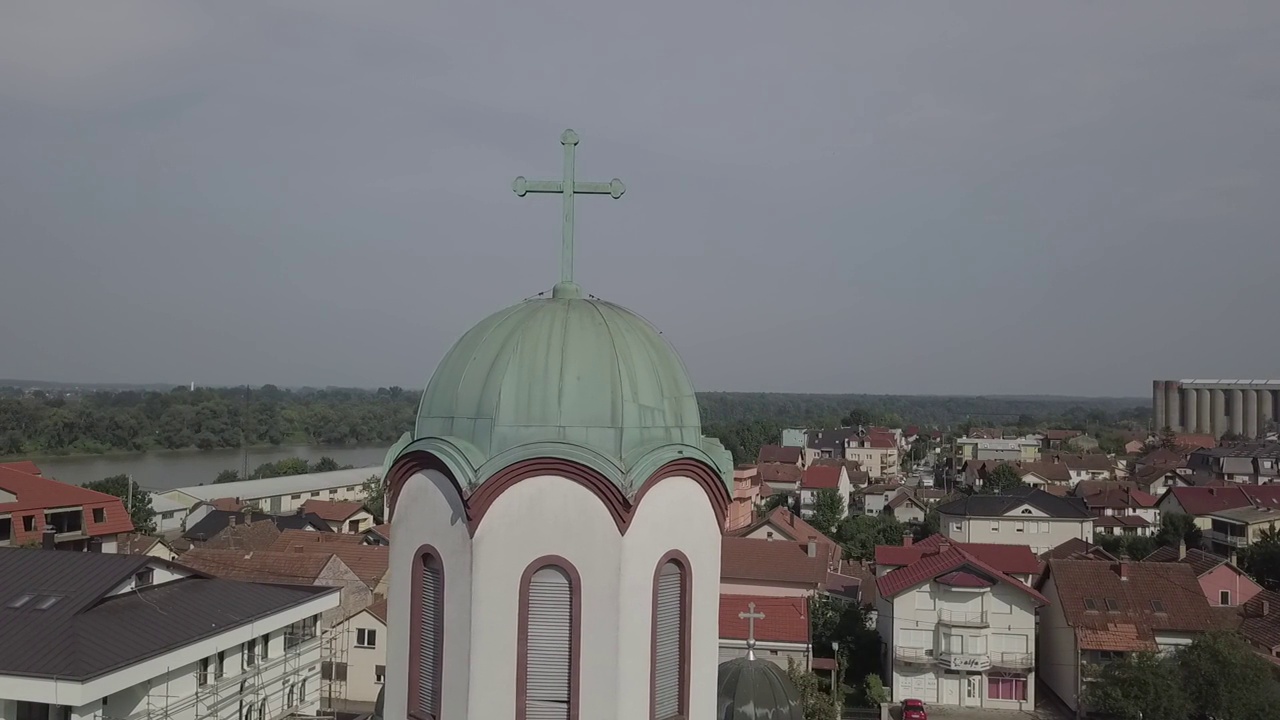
pixel 923 686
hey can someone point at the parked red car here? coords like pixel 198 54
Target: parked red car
pixel 914 710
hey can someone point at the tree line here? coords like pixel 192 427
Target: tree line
pixel 40 422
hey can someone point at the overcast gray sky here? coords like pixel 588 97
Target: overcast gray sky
pixel 960 198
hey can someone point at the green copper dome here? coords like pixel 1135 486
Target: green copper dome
pixel 568 377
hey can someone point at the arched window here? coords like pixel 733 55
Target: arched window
pixel 549 641
pixel 426 635
pixel 670 647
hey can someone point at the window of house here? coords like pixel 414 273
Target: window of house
pixel 1112 605
pixel 262 710
pixel 166 516
pixel 1090 605
pixel 222 664
pixel 289 695
pixel 1006 686
pixel 315 493
pixel 353 526
pixel 924 599
pixel 1000 606
pixel 426 634
pixel 953 644
pixel 379 674
pixel 1044 526
pixel 144 578
pixel 366 638
pixel 1157 606
pixel 99 515
pixel 302 691
pixel 330 670
pixel 1224 597
pixel 333 491
pixel 28 523
pixel 995 526
pixel 265 642
pixel 549 635
pixel 248 655
pixel 955 527
pixel 296 497
pixel 1020 527
pixel 670 640
pixel 202 677
pixel 19 601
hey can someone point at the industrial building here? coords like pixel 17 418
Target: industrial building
pixel 1241 407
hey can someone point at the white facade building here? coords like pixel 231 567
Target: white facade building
pixel 957 631
pixel 1026 516
pixel 169 645
pixel 364 636
pixel 277 495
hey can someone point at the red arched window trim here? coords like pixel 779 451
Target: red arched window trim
pixel 416 711
pixel 686 607
pixel 575 633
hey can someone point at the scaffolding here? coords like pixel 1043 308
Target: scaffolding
pixel 256 692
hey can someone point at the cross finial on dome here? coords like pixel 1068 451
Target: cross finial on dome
pixel 751 618
pixel 568 187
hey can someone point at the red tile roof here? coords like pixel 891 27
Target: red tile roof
pixel 332 510
pixel 258 565
pixel 368 561
pixel 941 563
pixel 379 610
pixel 25 466
pixel 229 504
pixel 821 477
pixel 960 578
pixel 34 494
pixel 1012 559
pixel 1189 442
pixel 1205 500
pixel 780 473
pixel 1120 498
pixel 1262 629
pixel 1200 561
pixel 771 561
pixel 792 526
pixel 1121 521
pixel 881 440
pixel 778 454
pixel 1149 588
pixel 1077 549
pixel 1060 434
pixel 785 618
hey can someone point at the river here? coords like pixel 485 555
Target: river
pixel 168 470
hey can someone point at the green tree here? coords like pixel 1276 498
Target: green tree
pixel 328 464
pixel 1175 526
pixel 932 525
pixel 1001 480
pixel 873 692
pixel 227 476
pixel 281 468
pixel 816 701
pixel 860 534
pixel 1225 678
pixel 139 506
pixel 1261 560
pixel 373 495
pixel 828 509
pixel 1168 438
pixel 1141 686
pixel 776 500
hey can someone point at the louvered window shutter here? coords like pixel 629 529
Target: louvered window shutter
pixel 550 642
pixel 668 626
pixel 429 640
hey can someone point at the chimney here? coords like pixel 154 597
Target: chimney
pixel 1266 608
pixel 813 546
pixel 1122 568
pixel 48 541
pixel 1213 491
pixel 944 546
pixel 768 535
pixel 231 520
pixel 906 539
pixel 1231 556
pixel 1182 549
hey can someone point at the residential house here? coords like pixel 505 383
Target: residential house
pixel 828 443
pixel 1236 528
pixel 92 635
pixel 1155 479
pixel 1163 457
pixel 778 568
pixel 873 499
pixel 1100 611
pixel 957 631
pixel 285 568
pixel 1056 439
pixel 857 476
pixel 1260 624
pixel 1087 467
pixel 781 454
pixel 363 666
pixel 36 511
pixel 224 526
pixel 368 562
pixel 1048 476
pixel 746 497
pixel 877 453
pixel 781 477
pixel 1076 549
pixel 1202 502
pixel 150 545
pixel 378 535
pixel 1024 516
pixel 342 516
pixel 278 495
pixel 906 507
pixel 1224 584
pixel 824 477
pixel 1123 511
pixel 1190 442
pixel 781 634
pixel 794 437
pixel 1248 463
pixel 1012 450
pixel 170 514
pixel 782 524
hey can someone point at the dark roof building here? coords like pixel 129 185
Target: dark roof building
pixel 215 521
pixel 1000 505
pixel 76 617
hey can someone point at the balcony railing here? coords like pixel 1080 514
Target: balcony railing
pixel 1016 661
pixel 1225 539
pixel 964 619
pixel 919 656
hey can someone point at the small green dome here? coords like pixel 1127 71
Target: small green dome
pixel 575 371
pixel 751 689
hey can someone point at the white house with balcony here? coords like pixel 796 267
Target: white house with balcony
pixel 132 637
pixel 957 631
